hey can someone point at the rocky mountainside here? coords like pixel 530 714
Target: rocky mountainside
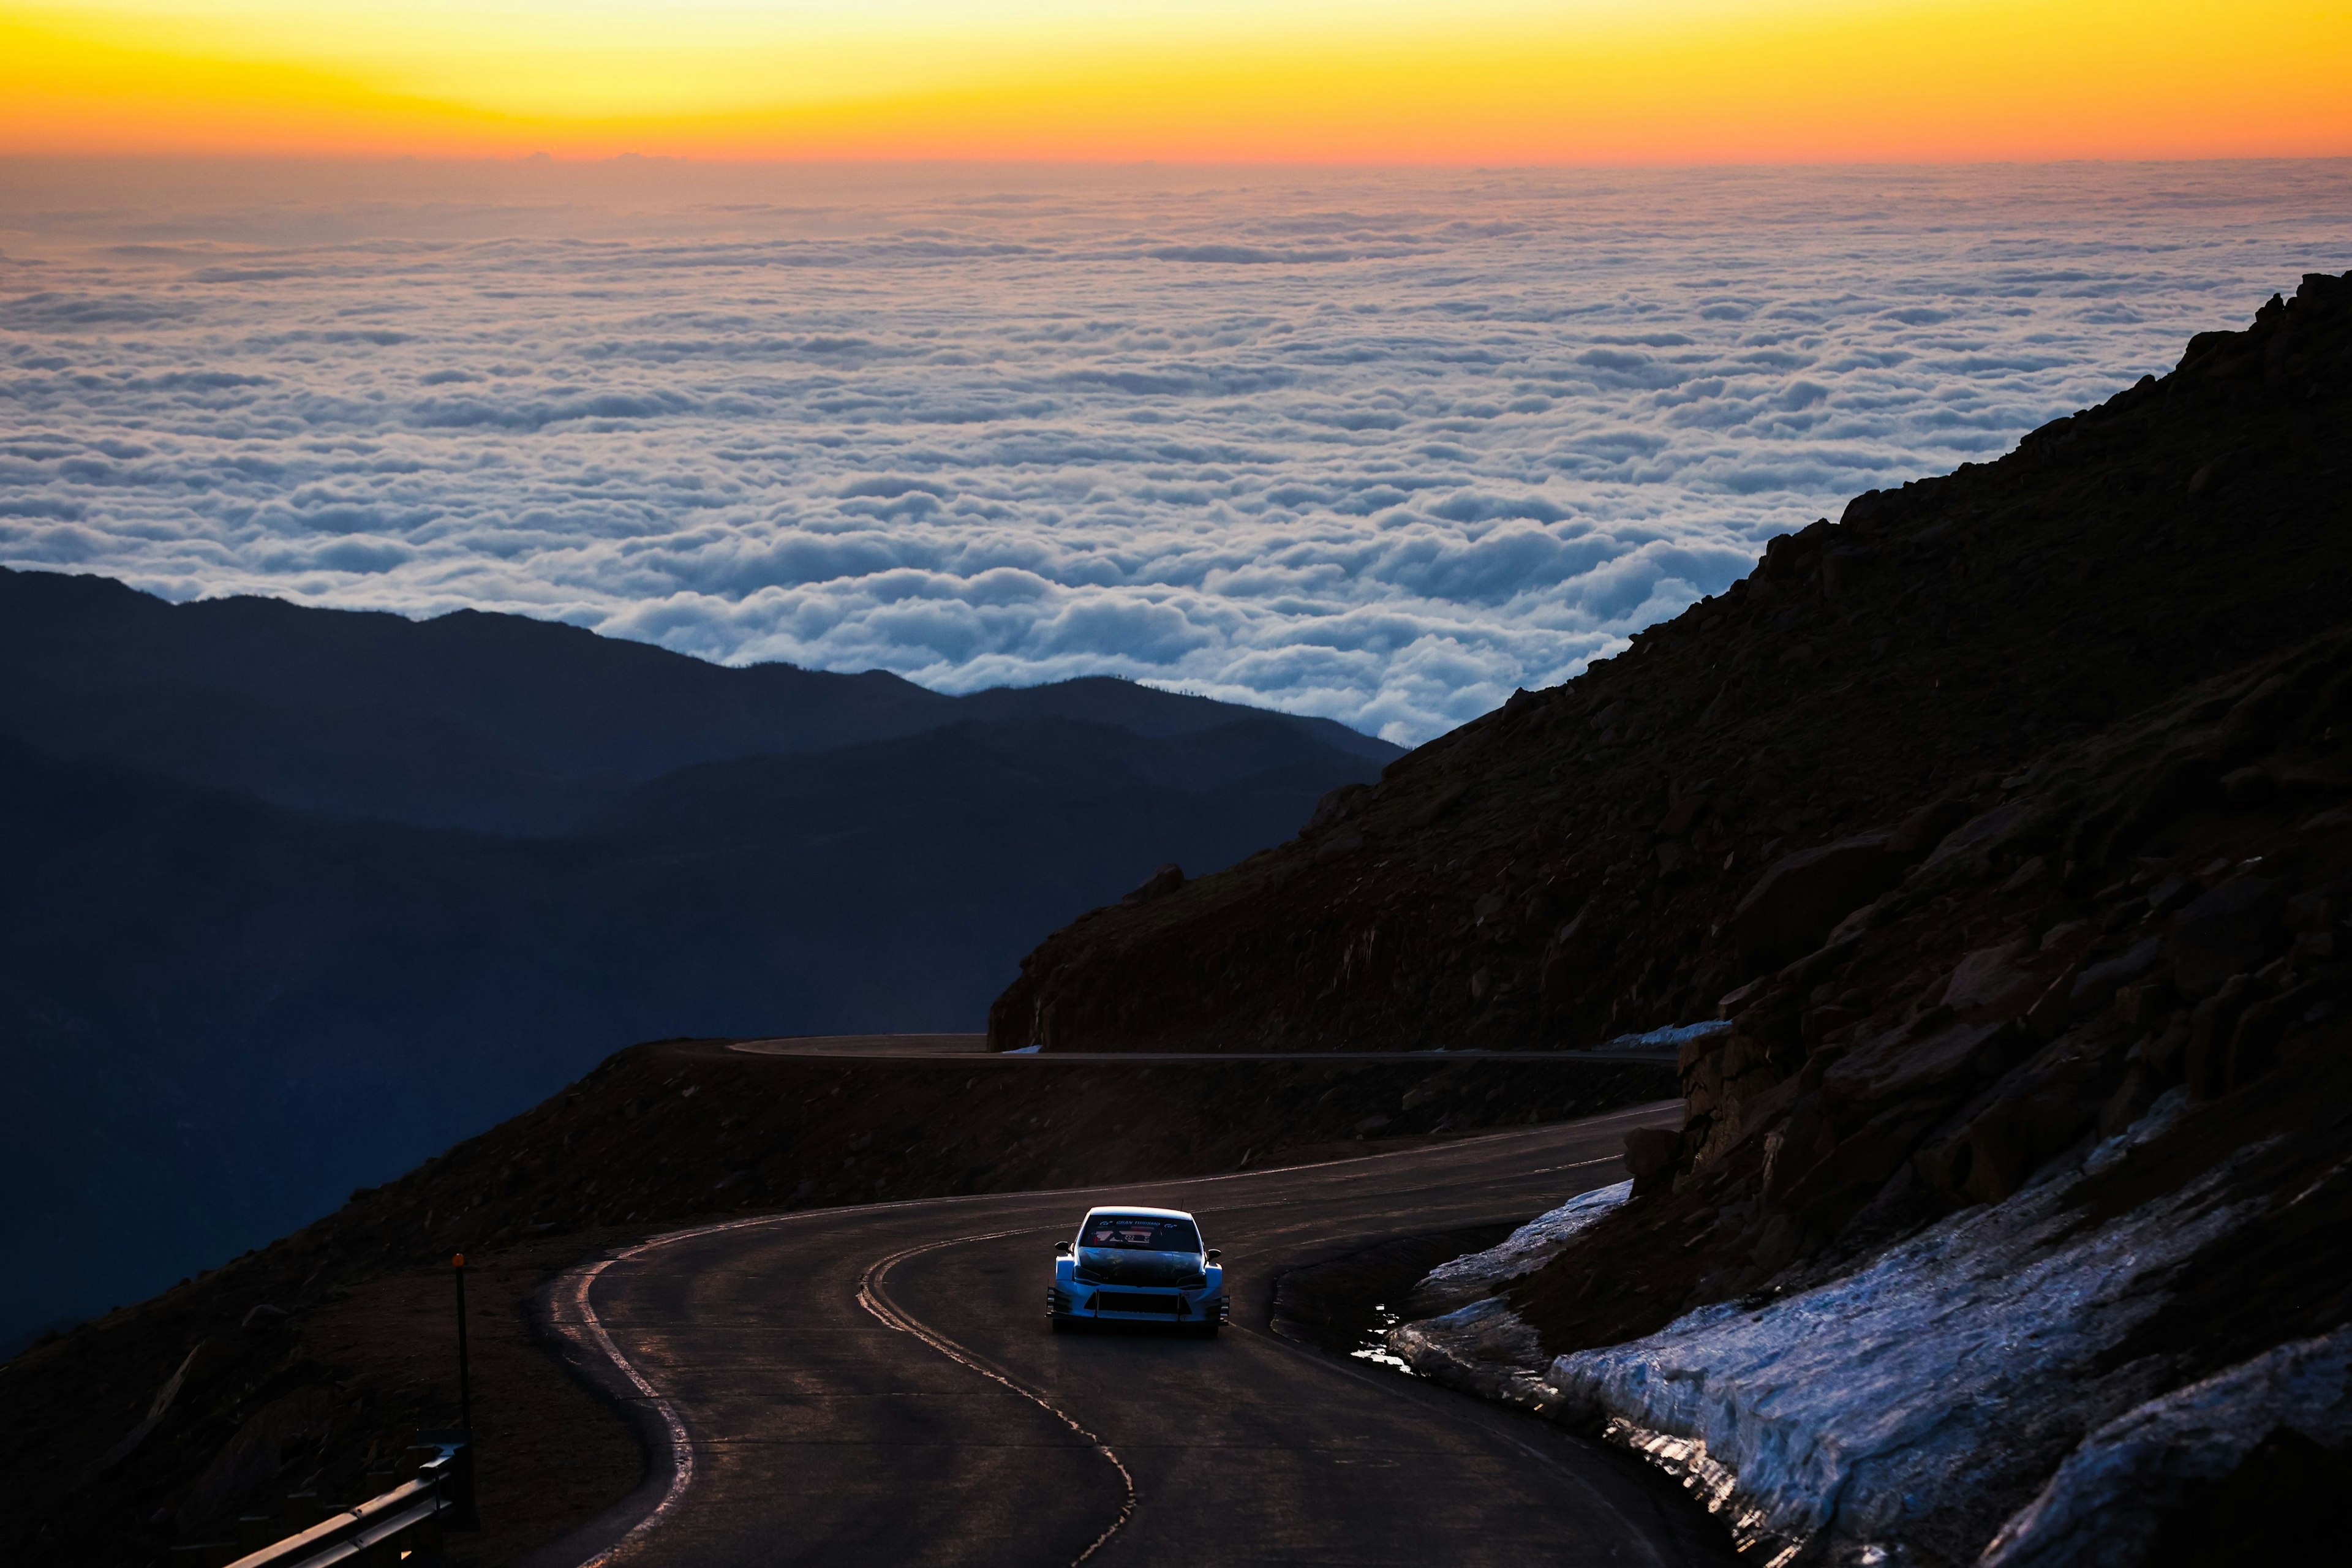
pixel 2010 1219
pixel 1619 852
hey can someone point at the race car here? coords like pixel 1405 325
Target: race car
pixel 1133 1265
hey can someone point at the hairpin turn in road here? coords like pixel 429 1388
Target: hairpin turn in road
pixel 878 1385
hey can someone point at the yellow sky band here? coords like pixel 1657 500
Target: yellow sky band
pixel 1693 82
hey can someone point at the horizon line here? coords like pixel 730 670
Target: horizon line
pixel 545 159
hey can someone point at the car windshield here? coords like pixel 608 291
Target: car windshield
pixel 1139 1233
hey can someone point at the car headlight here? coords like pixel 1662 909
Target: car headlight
pixel 1086 1276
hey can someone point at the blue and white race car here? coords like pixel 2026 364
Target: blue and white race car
pixel 1137 1266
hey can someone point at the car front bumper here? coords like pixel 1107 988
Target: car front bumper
pixel 1136 1303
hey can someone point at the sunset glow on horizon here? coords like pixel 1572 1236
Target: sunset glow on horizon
pixel 1490 82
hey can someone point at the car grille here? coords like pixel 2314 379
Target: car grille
pixel 1126 1301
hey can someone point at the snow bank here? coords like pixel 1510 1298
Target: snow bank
pixel 1524 1251
pixel 1676 1035
pixel 2110 1502
pixel 1907 1408
pixel 1481 1348
pixel 1875 1403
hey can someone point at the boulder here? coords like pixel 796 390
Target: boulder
pixel 1941 1061
pixel 1981 833
pixel 1803 896
pixel 2096 985
pixel 1991 980
pixel 1162 882
pixel 2249 786
pixel 1651 1154
pixel 1336 805
pixel 1682 812
pixel 1338 846
pixel 2224 932
pixel 1924 829
pixel 1445 800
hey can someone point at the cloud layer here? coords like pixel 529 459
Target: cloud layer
pixel 1379 446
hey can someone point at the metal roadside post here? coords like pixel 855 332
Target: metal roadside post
pixel 463 1514
pixel 465 1371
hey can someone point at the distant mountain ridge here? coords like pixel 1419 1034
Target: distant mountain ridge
pixel 510 848
pixel 499 722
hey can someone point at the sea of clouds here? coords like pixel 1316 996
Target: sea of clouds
pixel 1377 445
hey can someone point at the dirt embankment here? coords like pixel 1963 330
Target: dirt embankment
pixel 1575 864
pixel 307 1367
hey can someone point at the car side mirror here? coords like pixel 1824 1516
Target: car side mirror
pixel 1061 1249
pixel 1211 1256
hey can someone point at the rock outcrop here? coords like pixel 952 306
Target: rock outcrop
pixel 2009 1221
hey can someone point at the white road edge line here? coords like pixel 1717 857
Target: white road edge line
pixel 877 1300
pixel 682 1445
pixel 681 1448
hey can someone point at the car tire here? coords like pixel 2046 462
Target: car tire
pixel 1061 1325
pixel 1207 1331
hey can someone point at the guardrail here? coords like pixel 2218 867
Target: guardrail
pixel 390 1527
pixel 405 1523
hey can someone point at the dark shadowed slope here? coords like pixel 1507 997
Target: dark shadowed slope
pixel 1570 865
pixel 492 722
pixel 223 1014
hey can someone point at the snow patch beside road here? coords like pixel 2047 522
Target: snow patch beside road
pixel 1901 1412
pixel 1897 1401
pixel 1524 1251
pixel 1676 1035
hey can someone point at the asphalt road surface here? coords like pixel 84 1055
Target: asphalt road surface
pixel 878 1385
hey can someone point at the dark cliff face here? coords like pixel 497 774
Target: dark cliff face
pixel 2160 907
pixel 1622 851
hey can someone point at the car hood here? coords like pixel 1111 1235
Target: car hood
pixel 1116 1265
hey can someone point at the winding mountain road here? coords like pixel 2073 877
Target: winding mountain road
pixel 877 1385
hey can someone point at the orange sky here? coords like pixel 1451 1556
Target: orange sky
pixel 1376 80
